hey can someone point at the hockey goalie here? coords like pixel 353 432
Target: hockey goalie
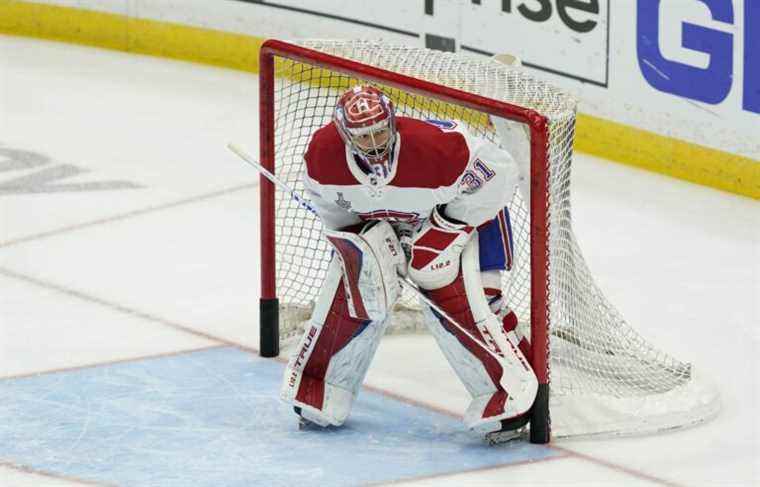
pixel 426 200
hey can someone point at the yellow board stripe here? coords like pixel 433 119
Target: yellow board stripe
pixel 603 138
pixel 666 155
pixel 112 31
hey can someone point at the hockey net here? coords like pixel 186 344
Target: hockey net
pixel 604 377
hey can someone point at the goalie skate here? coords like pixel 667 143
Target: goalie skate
pixel 304 424
pixel 511 430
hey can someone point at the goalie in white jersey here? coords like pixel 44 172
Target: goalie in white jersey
pixel 373 178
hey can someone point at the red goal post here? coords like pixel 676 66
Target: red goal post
pixel 596 355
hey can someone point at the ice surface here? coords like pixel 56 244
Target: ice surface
pixel 213 417
pixel 168 264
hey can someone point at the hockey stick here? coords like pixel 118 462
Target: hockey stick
pixel 270 176
pixel 405 281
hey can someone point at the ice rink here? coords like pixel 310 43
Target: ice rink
pixel 129 301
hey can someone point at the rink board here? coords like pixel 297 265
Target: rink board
pixel 212 417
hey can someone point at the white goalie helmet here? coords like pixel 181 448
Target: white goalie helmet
pixel 366 120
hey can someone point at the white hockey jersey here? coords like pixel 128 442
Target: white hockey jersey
pixel 434 163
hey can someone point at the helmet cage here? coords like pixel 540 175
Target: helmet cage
pixel 365 110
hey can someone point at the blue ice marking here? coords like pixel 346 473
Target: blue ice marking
pixel 212 418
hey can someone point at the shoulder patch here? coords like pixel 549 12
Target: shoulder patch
pixel 442 124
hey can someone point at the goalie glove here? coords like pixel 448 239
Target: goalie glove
pixel 436 250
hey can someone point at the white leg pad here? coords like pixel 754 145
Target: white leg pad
pixel 327 368
pixel 502 384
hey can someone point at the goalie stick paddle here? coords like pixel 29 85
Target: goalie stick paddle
pixel 405 281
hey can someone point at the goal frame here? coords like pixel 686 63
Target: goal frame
pixel 540 423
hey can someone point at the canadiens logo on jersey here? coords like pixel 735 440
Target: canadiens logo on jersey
pixel 443 124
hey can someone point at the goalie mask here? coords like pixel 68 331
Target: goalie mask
pixel 366 122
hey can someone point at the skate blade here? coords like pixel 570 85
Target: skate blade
pixel 306 425
pixel 501 437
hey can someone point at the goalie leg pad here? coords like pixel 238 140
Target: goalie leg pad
pixel 498 304
pixel 501 383
pixel 327 368
pixel 370 262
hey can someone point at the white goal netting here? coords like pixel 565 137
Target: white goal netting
pixel 604 377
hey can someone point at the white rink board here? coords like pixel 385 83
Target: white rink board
pixel 604 65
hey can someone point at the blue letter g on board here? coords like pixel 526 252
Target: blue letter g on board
pixel 710 84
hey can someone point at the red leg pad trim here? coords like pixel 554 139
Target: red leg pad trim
pixel 453 300
pixel 339 328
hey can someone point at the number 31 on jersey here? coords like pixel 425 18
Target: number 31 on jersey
pixel 474 178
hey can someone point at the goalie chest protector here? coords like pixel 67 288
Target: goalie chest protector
pixel 429 162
